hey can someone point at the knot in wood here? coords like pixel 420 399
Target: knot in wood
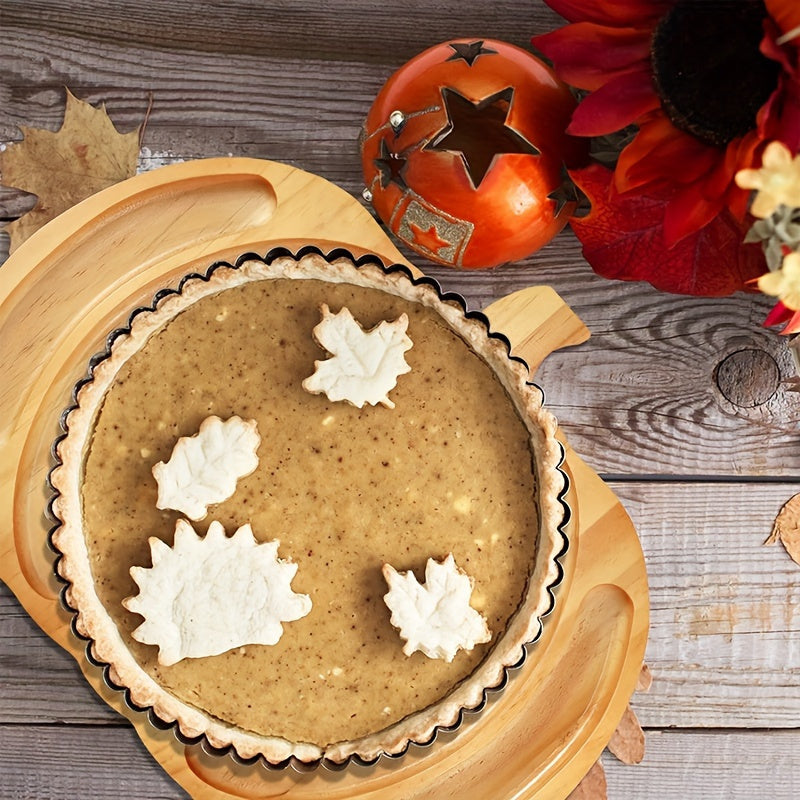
pixel 748 378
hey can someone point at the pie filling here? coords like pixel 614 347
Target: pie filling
pixel 344 490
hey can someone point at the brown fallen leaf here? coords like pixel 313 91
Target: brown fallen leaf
pixel 64 167
pixel 791 384
pixel 593 786
pixel 645 679
pixel 627 742
pixel 786 529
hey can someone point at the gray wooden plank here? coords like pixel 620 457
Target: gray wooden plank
pixel 367 31
pixel 44 763
pixel 712 765
pixel 39 762
pixel 725 609
pixel 40 682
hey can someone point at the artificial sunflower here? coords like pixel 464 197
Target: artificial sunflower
pixel 705 85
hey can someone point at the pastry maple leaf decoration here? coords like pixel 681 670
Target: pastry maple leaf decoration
pixel 365 365
pixel 435 617
pixel 62 168
pixel 203 469
pixel 205 596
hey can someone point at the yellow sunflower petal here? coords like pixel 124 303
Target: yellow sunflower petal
pixel 777 181
pixel 791 267
pixel 771 283
pixel 776 156
pixel 791 300
pixel 748 179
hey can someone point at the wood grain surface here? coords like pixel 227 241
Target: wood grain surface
pixel 680 402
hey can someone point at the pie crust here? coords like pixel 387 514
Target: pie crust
pixel 108 646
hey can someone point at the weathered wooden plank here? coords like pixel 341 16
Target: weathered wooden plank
pixel 39 682
pixel 724 627
pixel 220 70
pixel 371 32
pixel 54 761
pixel 715 765
pixel 725 609
pixel 41 762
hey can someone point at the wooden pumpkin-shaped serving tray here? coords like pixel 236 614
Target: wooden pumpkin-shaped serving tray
pixel 76 279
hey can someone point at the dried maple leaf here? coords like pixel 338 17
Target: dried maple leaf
pixel 364 365
pixel 623 238
pixel 627 742
pixel 205 596
pixel 593 786
pixel 86 155
pixel 786 529
pixel 645 679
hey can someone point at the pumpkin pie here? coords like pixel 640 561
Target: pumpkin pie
pixel 458 468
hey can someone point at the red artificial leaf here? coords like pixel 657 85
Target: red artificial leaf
pixel 611 12
pixel 623 238
pixel 780 314
pixel 785 12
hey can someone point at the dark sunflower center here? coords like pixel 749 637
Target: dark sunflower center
pixel 709 73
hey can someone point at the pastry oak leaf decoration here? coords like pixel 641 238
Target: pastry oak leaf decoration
pixel 207 595
pixel 64 167
pixel 436 617
pixel 204 469
pixel 364 365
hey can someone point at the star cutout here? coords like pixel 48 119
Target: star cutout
pixel 469 51
pixel 565 192
pixel 390 166
pixel 478 132
pixel 428 239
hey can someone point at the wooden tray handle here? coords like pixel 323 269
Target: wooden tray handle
pixel 537 322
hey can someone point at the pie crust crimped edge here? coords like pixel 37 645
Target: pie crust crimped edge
pixel 106 645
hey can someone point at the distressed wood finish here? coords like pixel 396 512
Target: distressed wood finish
pixel 726 765
pixel 679 401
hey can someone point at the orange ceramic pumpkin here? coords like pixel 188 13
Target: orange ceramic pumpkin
pixel 463 153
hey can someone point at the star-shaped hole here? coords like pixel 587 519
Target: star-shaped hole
pixel 478 132
pixel 390 166
pixel 566 192
pixel 469 51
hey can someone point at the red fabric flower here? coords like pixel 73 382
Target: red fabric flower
pixel 680 164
